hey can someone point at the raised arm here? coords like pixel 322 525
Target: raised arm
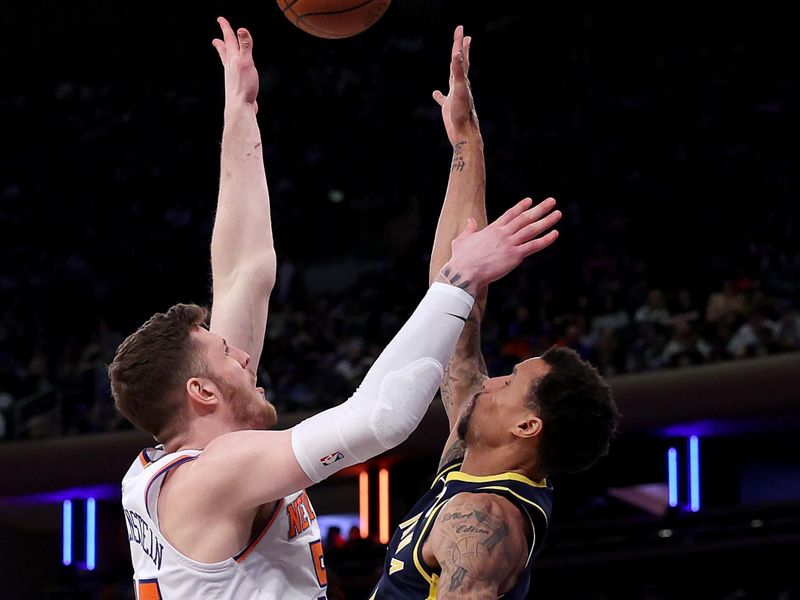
pixel 465 198
pixel 243 262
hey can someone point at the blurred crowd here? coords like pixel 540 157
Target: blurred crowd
pixel 678 246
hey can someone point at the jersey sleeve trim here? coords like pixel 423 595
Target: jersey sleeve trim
pixel 517 496
pixel 175 463
pixel 255 541
pixel 417 552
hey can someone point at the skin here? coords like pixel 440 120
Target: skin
pixel 480 541
pixel 225 414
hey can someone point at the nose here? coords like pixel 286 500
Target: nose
pixel 242 357
pixel 495 383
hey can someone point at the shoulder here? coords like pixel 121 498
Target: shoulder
pixel 479 541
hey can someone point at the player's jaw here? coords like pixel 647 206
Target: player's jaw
pixel 249 406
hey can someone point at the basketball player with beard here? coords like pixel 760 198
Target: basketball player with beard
pixel 218 508
pixel 475 533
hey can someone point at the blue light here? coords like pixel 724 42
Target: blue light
pixel 90 534
pixel 672 466
pixel 694 473
pixel 66 532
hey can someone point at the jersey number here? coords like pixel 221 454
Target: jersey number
pixel 147 589
pixel 319 562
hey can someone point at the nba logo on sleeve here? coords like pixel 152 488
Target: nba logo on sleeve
pixel 331 458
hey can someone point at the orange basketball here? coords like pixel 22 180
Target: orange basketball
pixel 333 19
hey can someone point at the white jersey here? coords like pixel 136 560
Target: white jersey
pixel 282 562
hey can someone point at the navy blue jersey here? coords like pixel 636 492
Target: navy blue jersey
pixel 407 577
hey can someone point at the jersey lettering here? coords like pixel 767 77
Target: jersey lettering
pixel 395 566
pixel 147 589
pixel 140 533
pixel 319 563
pixel 300 515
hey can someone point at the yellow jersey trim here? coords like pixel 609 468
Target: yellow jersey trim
pixel 415 553
pixel 434 587
pixel 516 495
pixel 443 471
pixel 410 522
pixel 461 476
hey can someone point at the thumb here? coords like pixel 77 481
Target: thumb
pixel 245 40
pixel 471 228
pixel 439 97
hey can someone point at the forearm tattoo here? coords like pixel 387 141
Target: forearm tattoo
pixel 458 163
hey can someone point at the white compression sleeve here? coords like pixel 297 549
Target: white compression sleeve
pixel 395 393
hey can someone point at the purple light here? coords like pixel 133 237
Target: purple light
pixel 694 473
pixel 66 532
pixel 672 469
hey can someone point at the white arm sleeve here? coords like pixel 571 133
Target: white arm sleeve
pixel 395 393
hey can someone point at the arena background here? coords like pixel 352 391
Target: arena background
pixel 667 132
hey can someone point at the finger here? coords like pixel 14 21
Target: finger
pixel 538 244
pixel 245 42
pixel 534 214
pixel 534 229
pixel 231 45
pixel 458 41
pixel 220 46
pixel 439 97
pixel 472 227
pixel 513 212
pixel 459 76
pixel 465 51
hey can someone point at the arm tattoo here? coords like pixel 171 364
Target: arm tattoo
pixel 458 579
pixel 475 552
pixel 499 532
pixel 458 158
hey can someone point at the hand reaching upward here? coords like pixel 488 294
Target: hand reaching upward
pixel 458 107
pixel 236 53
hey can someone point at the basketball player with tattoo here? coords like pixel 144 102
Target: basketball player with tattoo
pixel 218 509
pixel 475 533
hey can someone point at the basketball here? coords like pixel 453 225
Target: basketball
pixel 333 19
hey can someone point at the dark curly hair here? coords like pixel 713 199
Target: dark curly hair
pixel 151 367
pixel 578 413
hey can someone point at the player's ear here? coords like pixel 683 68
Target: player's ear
pixel 203 393
pixel 528 427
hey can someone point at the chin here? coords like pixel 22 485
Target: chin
pixel 271 416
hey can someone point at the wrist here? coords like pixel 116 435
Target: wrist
pixel 463 277
pixel 470 140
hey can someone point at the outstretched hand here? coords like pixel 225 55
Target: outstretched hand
pixel 458 107
pixel 236 53
pixel 481 257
